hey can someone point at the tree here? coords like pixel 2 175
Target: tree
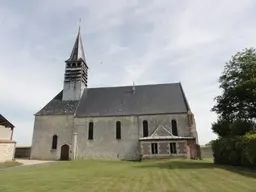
pixel 209 143
pixel 221 128
pixel 238 82
pixel 238 127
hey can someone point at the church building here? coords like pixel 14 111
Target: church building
pixel 125 123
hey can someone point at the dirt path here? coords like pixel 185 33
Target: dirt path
pixel 27 163
pixel 31 162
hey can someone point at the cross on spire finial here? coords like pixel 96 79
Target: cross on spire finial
pixel 79 25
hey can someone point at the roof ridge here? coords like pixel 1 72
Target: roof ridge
pixel 138 85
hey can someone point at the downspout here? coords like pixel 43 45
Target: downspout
pixel 12 133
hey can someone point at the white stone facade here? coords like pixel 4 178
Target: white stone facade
pixel 104 144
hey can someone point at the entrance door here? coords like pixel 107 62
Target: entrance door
pixel 64 153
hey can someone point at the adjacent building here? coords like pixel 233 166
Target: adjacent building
pixel 7 145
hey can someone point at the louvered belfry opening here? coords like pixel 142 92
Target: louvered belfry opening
pixel 76 71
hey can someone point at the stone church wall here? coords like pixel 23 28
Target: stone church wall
pixel 165 120
pixel 105 145
pixel 44 129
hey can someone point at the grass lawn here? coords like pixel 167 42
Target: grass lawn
pixel 9 164
pixel 118 176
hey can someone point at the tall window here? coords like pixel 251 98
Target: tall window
pixel 54 141
pixel 145 128
pixel 90 131
pixel 173 149
pixel 174 128
pixel 118 130
pixel 154 148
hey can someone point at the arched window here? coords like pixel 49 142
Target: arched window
pixel 118 130
pixel 174 128
pixel 145 128
pixel 90 131
pixel 54 141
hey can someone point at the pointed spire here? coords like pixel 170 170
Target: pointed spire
pixel 78 50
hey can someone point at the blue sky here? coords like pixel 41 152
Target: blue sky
pixel 141 41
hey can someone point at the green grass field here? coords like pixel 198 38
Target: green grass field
pixel 117 176
pixel 9 164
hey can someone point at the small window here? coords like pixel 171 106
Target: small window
pixel 173 149
pixel 118 130
pixel 90 131
pixel 54 142
pixel 79 64
pixel 154 148
pixel 145 128
pixel 68 65
pixel 174 128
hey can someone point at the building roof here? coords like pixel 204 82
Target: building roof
pixel 78 50
pixel 58 107
pixel 122 101
pixel 129 100
pixel 5 122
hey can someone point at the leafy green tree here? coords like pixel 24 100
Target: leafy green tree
pixel 238 127
pixel 238 82
pixel 221 128
pixel 209 143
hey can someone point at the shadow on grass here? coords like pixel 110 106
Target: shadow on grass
pixel 197 164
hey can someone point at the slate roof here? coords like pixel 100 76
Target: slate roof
pixel 122 101
pixel 78 50
pixel 58 107
pixel 5 122
pixel 147 99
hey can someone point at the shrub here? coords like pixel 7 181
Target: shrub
pixel 237 151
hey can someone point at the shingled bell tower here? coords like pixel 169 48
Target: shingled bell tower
pixel 75 79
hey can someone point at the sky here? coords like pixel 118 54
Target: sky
pixel 125 41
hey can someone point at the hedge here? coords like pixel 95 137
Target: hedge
pixel 237 151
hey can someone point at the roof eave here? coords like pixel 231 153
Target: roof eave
pixel 165 138
pixel 6 122
pixel 184 97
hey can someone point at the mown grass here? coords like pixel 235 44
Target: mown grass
pixel 9 164
pixel 117 176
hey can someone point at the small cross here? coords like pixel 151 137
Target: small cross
pixel 79 25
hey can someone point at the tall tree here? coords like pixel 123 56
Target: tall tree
pixel 238 82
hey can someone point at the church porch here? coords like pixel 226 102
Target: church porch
pixel 163 147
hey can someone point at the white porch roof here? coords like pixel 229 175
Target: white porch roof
pixel 161 133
